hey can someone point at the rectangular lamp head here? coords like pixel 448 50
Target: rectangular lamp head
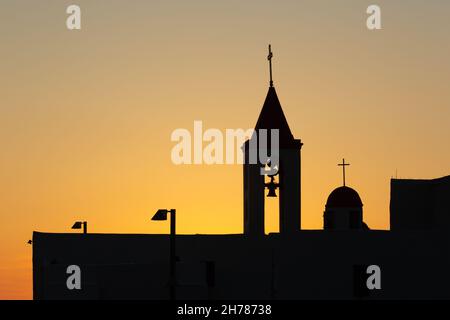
pixel 160 215
pixel 77 225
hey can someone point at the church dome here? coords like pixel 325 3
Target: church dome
pixel 344 197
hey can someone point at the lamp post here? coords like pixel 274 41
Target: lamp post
pixel 79 225
pixel 161 215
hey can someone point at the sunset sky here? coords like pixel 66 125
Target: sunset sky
pixel 86 116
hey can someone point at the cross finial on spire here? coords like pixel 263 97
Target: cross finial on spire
pixel 343 164
pixel 269 57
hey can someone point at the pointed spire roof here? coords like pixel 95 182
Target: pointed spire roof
pixel 272 117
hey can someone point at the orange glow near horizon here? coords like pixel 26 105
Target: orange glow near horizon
pixel 86 116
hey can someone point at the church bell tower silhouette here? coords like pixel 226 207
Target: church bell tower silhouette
pixel 272 117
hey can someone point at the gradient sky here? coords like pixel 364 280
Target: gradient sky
pixel 86 116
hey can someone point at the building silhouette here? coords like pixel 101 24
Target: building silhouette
pixel 413 257
pixel 427 206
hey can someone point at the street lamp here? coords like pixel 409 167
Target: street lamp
pixel 161 215
pixel 79 225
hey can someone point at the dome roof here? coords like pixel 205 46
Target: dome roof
pixel 343 197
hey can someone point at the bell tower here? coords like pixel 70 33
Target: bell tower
pixel 288 169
